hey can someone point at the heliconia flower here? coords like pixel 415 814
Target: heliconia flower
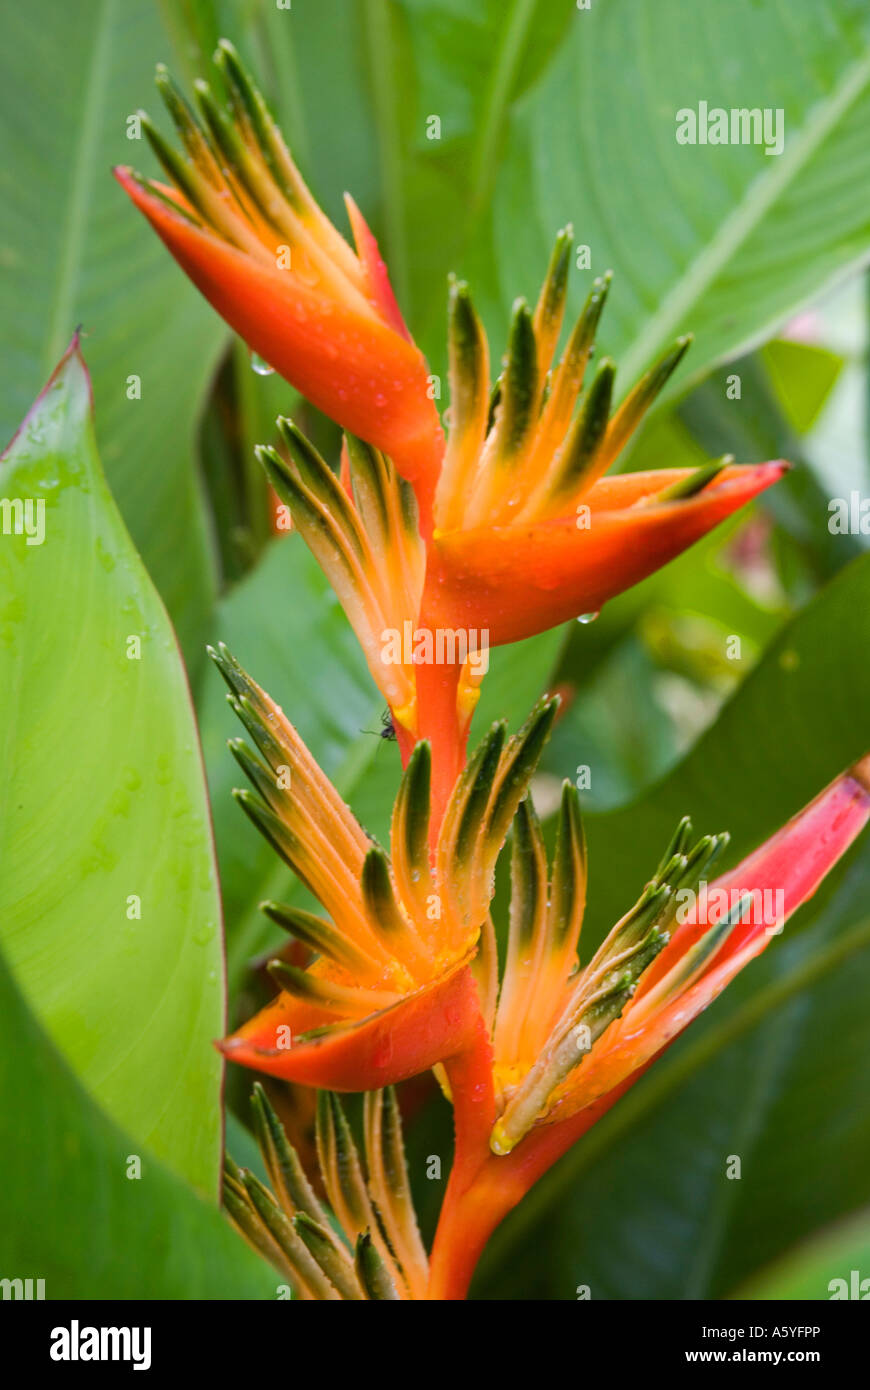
pixel 242 224
pixel 363 533
pixel 377 1252
pixel 528 532
pixel 567 1042
pixel 389 993
pixel 522 530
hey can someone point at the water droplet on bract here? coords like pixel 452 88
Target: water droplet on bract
pixel 588 617
pixel 260 367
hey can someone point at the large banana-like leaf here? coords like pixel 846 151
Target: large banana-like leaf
pixel 76 1208
pixel 73 252
pixel 109 908
pixel 721 240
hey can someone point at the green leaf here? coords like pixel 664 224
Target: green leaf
pixel 774 1072
pixel 72 1211
pixel 805 551
pixel 478 62
pixel 109 909
pixel 74 251
pixel 810 1272
pixel 802 377
pixel 629 737
pixel 724 241
pixel 472 66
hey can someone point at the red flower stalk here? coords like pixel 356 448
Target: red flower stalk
pixel 567 1043
pixel 389 992
pixel 242 224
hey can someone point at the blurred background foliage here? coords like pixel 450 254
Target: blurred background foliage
pixel 548 113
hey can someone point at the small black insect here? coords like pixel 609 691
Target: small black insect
pixel 387 729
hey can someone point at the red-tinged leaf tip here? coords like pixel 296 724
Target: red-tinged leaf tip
pixel 72 357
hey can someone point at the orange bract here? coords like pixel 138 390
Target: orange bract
pixel 387 993
pixel 515 580
pixel 242 224
pixel 368 1245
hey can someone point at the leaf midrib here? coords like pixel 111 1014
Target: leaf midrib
pixel 504 70
pixel 760 196
pixel 71 233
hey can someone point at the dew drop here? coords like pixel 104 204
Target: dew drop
pixel 586 618
pixel 261 367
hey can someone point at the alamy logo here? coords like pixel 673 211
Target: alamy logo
pixel 22 1288
pixel 23 517
pixel 755 907
pixel 853 1287
pixel 75 1343
pixel 849 516
pixel 741 125
pixel 442 646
